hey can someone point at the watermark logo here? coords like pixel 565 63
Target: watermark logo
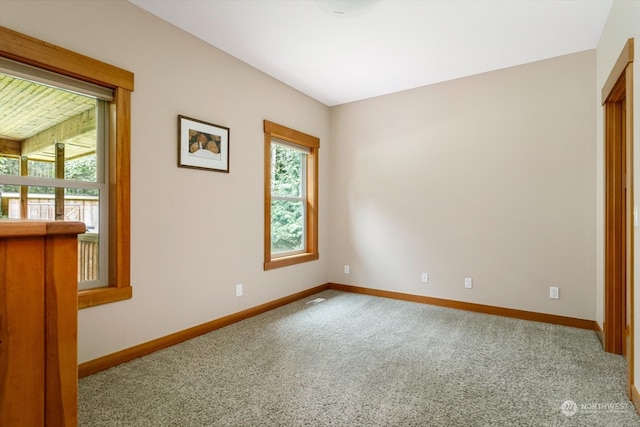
pixel 569 408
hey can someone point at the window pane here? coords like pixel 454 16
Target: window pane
pixel 86 208
pixel 83 207
pixel 8 166
pixel 41 203
pixel 42 123
pixel 52 133
pixel 41 169
pixel 88 259
pixel 287 226
pixel 286 171
pixel 82 168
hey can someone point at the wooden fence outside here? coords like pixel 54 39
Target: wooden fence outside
pixel 42 206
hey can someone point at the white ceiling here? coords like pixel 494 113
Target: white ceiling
pixel 395 45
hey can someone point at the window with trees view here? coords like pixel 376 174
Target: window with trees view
pixel 64 153
pixel 291 196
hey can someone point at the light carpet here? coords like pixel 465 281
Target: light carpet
pixel 357 360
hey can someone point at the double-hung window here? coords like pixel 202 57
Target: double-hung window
pixel 65 154
pixel 291 196
pixel 54 164
pixel 288 198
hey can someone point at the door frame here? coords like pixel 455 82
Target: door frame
pixel 617 100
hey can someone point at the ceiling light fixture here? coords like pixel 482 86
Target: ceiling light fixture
pixel 346 8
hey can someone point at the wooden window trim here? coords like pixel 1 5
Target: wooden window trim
pixel 274 130
pixel 31 51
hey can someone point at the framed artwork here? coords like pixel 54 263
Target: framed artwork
pixel 202 145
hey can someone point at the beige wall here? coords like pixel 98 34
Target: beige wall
pixel 490 177
pixel 194 234
pixel 623 23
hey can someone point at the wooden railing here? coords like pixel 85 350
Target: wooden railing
pixel 88 262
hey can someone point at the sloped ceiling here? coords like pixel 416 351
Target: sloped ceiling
pixel 393 46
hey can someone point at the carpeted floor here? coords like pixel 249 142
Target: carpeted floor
pixel 356 360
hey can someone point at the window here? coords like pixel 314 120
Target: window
pixel 53 167
pixel 291 196
pixel 76 166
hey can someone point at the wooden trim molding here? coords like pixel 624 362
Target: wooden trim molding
pixel 114 359
pixel 274 130
pixel 291 135
pixel 38 53
pixel 617 100
pixel 635 398
pixel 625 58
pixel 478 308
pixel 98 296
pixel 290 260
pixel 93 366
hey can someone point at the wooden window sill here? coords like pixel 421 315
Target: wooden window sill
pixel 98 296
pixel 290 260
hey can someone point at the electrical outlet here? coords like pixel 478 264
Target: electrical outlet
pixel 554 292
pixel 425 278
pixel 347 270
pixel 468 282
pixel 239 290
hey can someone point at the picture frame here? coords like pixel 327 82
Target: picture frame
pixel 202 145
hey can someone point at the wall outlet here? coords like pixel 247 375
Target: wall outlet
pixel 425 278
pixel 554 292
pixel 239 290
pixel 468 282
pixel 347 270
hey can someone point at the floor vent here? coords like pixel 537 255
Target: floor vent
pixel 316 301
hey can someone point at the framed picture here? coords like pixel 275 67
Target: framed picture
pixel 202 145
